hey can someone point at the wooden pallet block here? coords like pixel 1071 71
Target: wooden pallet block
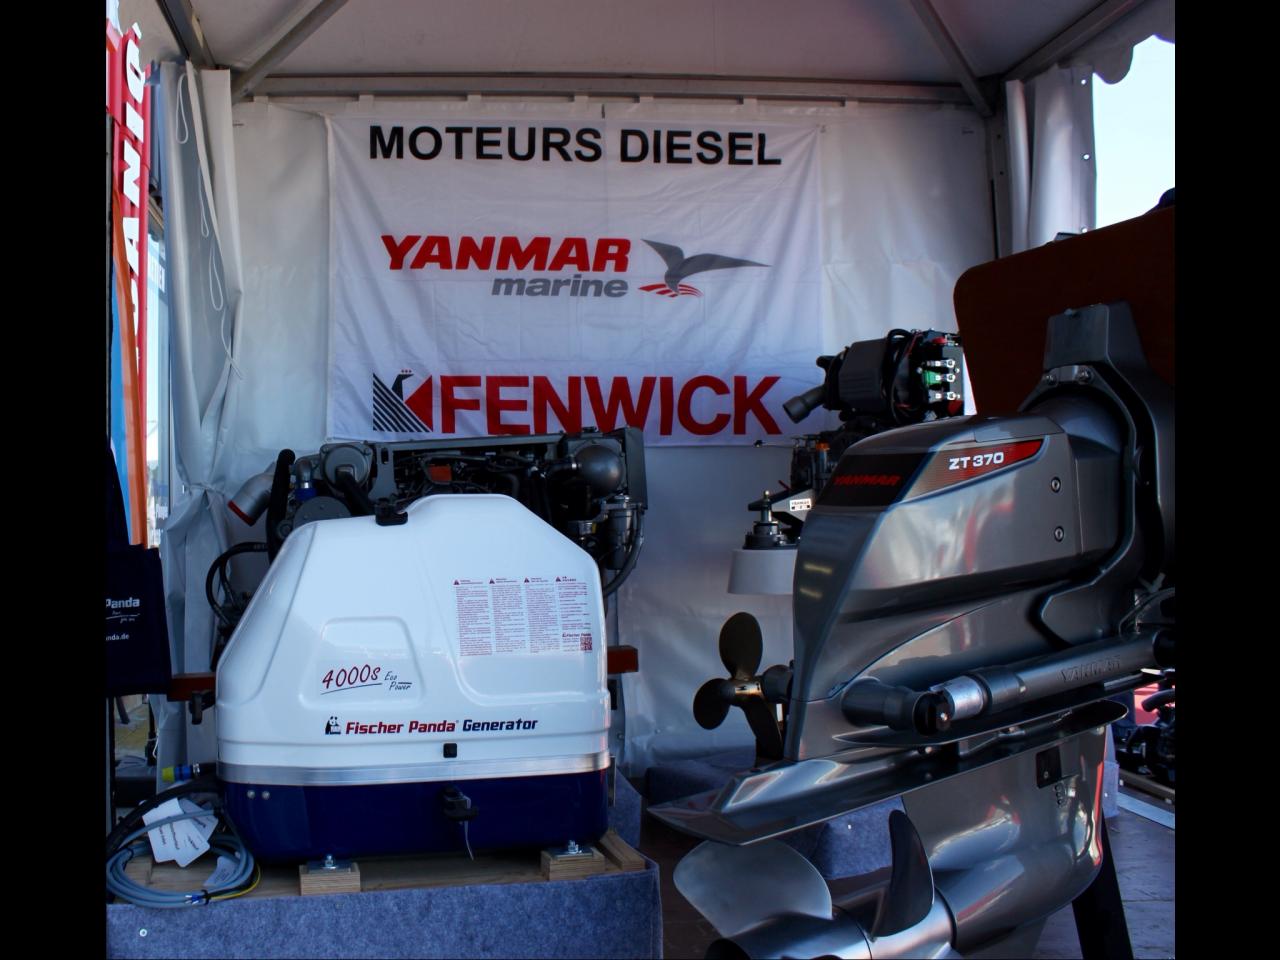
pixel 557 865
pixel 313 880
pixel 613 855
pixel 140 870
pixel 621 852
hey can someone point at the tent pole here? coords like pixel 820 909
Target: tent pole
pixel 242 85
pixel 674 86
pixel 187 31
pixel 951 50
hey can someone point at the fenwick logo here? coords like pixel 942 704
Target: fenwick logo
pixel 521 404
pixel 602 255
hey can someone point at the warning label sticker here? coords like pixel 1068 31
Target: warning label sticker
pixel 575 623
pixel 475 617
pixel 528 615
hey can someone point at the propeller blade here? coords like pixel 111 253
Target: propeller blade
pixel 709 705
pixel 736 888
pixel 741 646
pixel 764 724
pixel 910 895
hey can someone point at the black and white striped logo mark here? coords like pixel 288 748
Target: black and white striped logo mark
pixel 391 415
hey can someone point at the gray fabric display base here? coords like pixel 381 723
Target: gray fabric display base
pixel 847 846
pixel 614 915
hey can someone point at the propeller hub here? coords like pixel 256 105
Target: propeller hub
pixel 741 688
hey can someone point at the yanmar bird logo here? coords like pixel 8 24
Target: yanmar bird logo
pixel 679 267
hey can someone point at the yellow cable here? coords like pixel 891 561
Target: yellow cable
pixel 257 876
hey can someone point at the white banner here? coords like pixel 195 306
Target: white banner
pixel 515 277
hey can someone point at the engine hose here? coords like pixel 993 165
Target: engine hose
pixel 510 479
pixel 637 541
pixel 357 499
pixel 279 501
pixel 216 568
pixel 544 497
pixel 208 595
pixel 1158 700
pixel 229 621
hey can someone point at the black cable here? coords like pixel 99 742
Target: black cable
pixel 218 566
pixel 222 577
pixel 208 595
pixel 279 501
pixel 540 498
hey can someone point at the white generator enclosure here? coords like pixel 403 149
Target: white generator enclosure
pixel 445 669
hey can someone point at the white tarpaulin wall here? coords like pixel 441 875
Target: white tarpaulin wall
pixel 905 210
pixel 908 200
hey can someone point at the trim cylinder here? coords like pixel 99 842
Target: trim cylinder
pixel 992 690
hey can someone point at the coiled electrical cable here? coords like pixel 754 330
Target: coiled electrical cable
pixel 129 839
pixel 241 880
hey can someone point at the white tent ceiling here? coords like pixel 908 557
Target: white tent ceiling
pixel 827 39
pixel 949 50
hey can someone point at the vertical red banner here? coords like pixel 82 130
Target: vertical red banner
pixel 129 103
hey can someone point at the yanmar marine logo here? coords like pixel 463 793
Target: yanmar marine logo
pixel 583 256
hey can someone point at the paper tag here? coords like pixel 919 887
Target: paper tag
pixel 164 840
pixel 183 840
pixel 192 836
pixel 222 874
pixel 206 824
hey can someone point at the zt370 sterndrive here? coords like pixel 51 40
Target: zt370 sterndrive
pixel 968 595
